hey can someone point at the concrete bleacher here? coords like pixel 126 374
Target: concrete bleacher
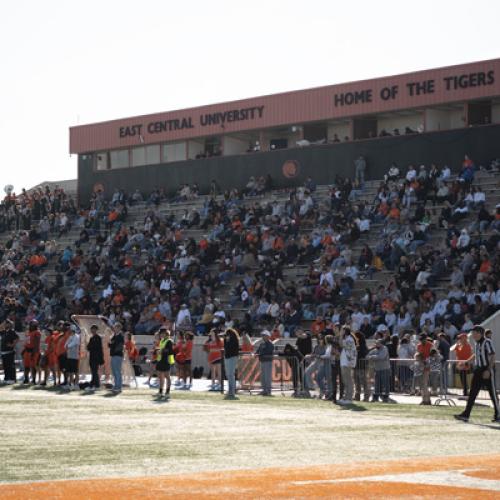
pixel 138 211
pixel 488 183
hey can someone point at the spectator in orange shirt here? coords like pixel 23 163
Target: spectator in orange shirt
pixel 213 348
pixel 424 346
pixel 183 350
pixel 132 352
pixel 112 217
pixel 484 270
pixel 50 364
pixel 31 352
pixel 318 326
pixel 118 298
pixel 237 225
pixel 61 353
pixel 188 353
pixel 394 212
pixel 246 344
pixel 463 353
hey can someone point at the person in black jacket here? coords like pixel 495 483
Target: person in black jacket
pixel 115 345
pixel 231 352
pixel 96 356
pixel 304 346
pixel 295 359
pixel 360 370
pixel 9 339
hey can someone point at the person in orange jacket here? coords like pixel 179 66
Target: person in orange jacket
pixel 61 353
pixel 183 354
pixel 50 358
pixel 132 351
pixel 31 352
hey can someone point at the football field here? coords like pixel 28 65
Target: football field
pixel 75 445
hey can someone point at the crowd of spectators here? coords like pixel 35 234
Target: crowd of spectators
pixel 280 262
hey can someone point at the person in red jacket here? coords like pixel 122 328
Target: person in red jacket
pixel 31 352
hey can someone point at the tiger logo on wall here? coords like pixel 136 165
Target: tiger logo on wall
pixel 98 188
pixel 291 169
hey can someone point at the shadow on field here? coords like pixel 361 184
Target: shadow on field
pixel 111 394
pixel 21 387
pixel 157 400
pixel 488 426
pixel 87 393
pixel 62 392
pixel 55 389
pixel 353 407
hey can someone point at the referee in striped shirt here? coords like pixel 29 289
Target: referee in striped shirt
pixel 483 373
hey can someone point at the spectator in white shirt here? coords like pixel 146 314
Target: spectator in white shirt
pixel 183 317
pixel 450 329
pixel 463 239
pixel 411 174
pixel 327 276
pixel 427 315
pixel 468 324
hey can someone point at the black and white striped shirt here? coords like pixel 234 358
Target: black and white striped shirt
pixel 482 352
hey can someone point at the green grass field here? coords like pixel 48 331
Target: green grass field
pixel 50 435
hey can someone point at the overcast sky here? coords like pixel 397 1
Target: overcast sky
pixel 73 62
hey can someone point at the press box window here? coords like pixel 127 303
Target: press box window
pixel 145 155
pixel 174 152
pixel 153 154
pixel 119 158
pixel 102 161
pixel 138 156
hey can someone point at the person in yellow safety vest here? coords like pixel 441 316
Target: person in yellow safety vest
pixel 164 360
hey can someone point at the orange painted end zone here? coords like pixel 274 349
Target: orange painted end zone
pixel 320 481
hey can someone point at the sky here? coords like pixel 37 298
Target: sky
pixel 70 62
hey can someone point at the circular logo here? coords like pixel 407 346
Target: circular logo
pixel 290 169
pixel 98 187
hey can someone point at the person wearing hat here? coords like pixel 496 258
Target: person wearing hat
pixel 265 353
pixel 482 374
pixel 96 356
pixel 8 341
pixel 116 346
